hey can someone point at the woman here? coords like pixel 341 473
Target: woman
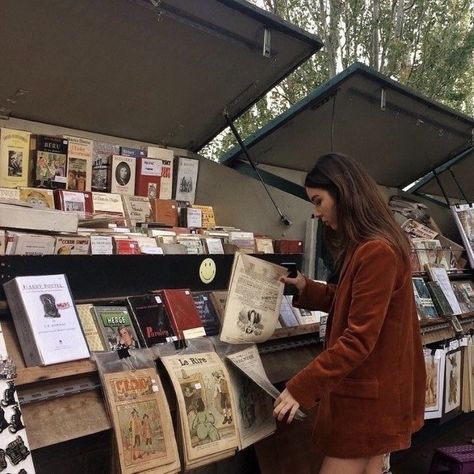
pixel 369 381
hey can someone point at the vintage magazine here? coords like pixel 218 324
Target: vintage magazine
pixel 467 398
pixel 254 300
pixel 434 364
pixel 452 396
pixel 186 179
pixel 14 157
pixel 464 218
pixel 142 421
pixel 250 363
pixel 90 328
pixel 254 403
pixel 79 164
pixel 206 406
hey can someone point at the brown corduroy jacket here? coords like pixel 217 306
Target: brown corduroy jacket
pixel 370 379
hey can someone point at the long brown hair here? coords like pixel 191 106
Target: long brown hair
pixel 362 213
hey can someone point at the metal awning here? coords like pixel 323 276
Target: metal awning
pixel 397 134
pixel 462 168
pixel 160 71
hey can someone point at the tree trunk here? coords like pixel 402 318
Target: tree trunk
pixel 374 60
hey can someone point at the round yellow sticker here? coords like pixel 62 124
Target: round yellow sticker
pixel 207 270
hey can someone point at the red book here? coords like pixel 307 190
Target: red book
pixel 153 178
pixel 165 211
pixel 126 247
pixel 288 246
pixel 183 314
pixel 74 201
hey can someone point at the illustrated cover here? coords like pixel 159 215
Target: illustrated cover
pixel 464 292
pixel 116 327
pixel 153 178
pixel 72 245
pixel 14 157
pixel 439 275
pixel 37 197
pixel 79 164
pixel 142 422
pixel 254 300
pixel 122 179
pixel 166 182
pixel 101 162
pixel 183 314
pixel 151 320
pixel 207 312
pixel 452 394
pixel 45 319
pixel 264 245
pixel 435 361
pixel 79 202
pixel 50 162
pixel 424 303
pixel 90 328
pixel 186 179
pixel 430 252
pixel 206 406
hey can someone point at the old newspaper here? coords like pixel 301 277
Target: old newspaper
pixel 253 302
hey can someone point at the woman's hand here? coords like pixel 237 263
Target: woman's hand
pixel 285 404
pixel 299 281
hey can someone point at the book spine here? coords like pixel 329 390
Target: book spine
pixel 23 328
pixel 138 328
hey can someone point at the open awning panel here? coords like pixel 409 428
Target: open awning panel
pixel 157 71
pixel 396 134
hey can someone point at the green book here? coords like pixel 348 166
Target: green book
pixel 439 299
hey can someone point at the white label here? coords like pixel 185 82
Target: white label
pixel 151 167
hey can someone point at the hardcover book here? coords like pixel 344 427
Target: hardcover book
pixel 45 319
pixel 108 203
pixel 50 162
pixel 464 292
pixel 80 202
pixel 79 164
pixel 122 179
pixel 37 197
pixel 126 246
pixel 90 328
pixel 14 157
pixel 288 246
pixel 207 312
pixel 165 211
pixel 183 314
pixel 153 178
pixel 116 327
pixel 142 422
pixel 151 320
pixel 186 179
pixel 101 163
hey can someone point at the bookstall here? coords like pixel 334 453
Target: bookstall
pixel 136 74
pixel 399 137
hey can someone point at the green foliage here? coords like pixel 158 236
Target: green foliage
pixel 425 44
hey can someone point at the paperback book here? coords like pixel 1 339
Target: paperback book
pixel 79 164
pixel 50 162
pixel 45 319
pixel 14 157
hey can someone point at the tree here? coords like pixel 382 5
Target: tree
pixel 425 44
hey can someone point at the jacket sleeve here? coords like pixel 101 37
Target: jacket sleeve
pixel 315 296
pixel 373 283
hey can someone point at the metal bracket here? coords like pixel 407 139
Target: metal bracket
pixel 31 395
pixel 267 43
pixel 383 100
